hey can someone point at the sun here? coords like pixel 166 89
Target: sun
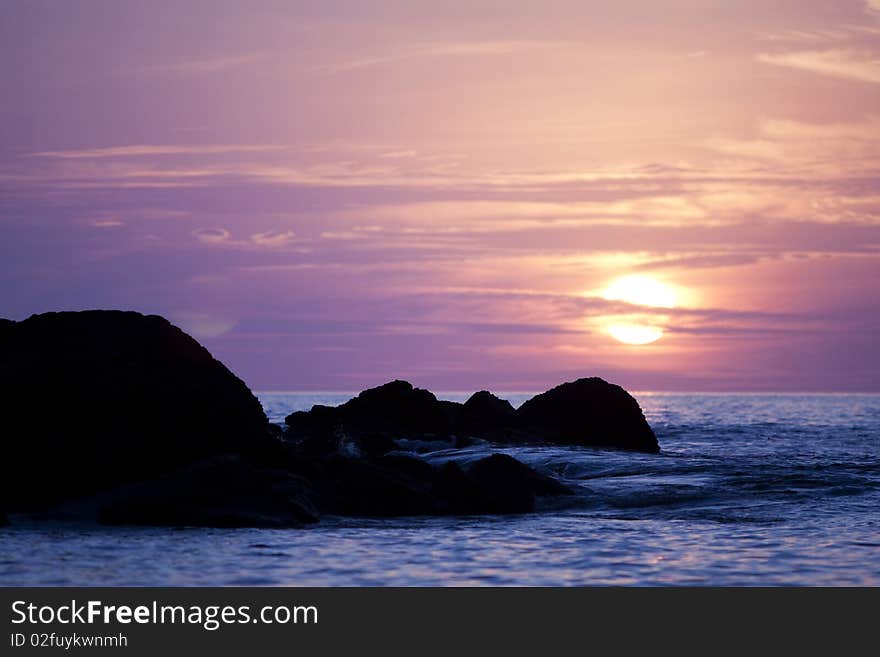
pixel 635 333
pixel 638 290
pixel 642 291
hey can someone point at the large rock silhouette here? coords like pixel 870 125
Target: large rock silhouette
pixel 95 399
pixel 589 412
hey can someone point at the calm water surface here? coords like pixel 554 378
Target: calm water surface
pixel 749 489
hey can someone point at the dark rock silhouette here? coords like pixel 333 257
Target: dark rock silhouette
pixel 505 470
pixel 589 412
pixel 96 399
pixel 127 416
pixel 373 487
pixel 401 485
pixel 394 408
pixel 485 415
pixel 477 488
pixel 376 444
pixel 320 422
pixel 495 484
pixel 226 491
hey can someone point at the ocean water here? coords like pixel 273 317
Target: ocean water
pixel 748 490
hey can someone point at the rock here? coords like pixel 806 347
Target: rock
pixel 397 410
pixel 375 444
pixel 452 411
pixel 589 412
pixel 320 422
pixel 486 416
pixel 462 496
pixel 410 466
pixel 398 403
pixel 499 471
pixel 225 491
pixel 98 399
pixel 393 410
pixel 495 484
pixel 400 485
pixel 480 492
pixel 375 488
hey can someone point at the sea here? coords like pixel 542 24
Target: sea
pixel 749 489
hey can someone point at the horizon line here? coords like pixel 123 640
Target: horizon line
pixel 632 392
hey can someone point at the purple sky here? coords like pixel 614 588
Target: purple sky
pixel 331 194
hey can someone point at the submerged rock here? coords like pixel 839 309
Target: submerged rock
pixel 589 412
pixel 97 399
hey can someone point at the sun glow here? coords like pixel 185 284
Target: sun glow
pixel 638 290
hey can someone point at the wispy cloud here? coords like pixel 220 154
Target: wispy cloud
pixel 152 150
pixel 838 36
pixel 211 235
pixel 860 65
pixel 273 238
pixel 108 222
pixel 278 240
pixel 442 49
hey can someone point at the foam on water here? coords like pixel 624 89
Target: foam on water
pixel 749 489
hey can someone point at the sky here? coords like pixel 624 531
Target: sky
pixel 329 195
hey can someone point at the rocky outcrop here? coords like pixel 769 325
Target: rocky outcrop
pixel 97 399
pixel 126 417
pixel 589 412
